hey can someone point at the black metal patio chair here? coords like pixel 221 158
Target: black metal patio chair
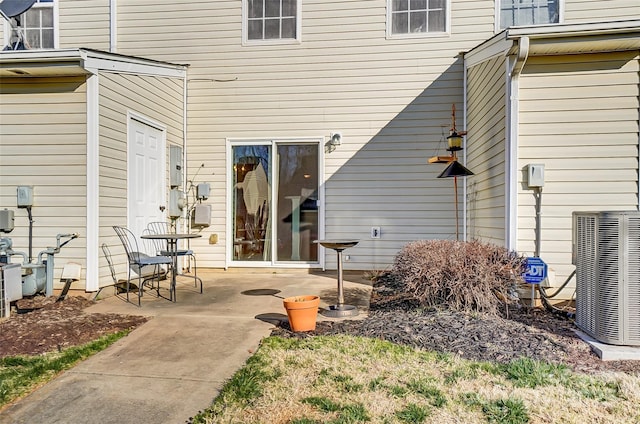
pixel 141 263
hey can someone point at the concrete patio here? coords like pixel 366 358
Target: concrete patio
pixel 175 365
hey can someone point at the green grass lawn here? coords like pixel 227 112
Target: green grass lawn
pixel 19 375
pixel 345 379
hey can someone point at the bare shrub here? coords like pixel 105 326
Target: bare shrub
pixel 462 276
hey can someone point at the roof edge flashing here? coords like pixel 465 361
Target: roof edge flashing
pixel 575 30
pixel 86 61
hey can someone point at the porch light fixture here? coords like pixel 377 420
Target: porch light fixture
pixel 335 139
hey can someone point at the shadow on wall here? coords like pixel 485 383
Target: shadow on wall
pixel 388 183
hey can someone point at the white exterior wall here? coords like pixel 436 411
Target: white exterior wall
pixel 84 24
pixel 43 144
pixel 578 117
pixel 576 11
pixel 158 99
pixel 391 99
pixel 486 124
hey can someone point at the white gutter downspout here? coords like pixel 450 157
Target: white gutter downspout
pixel 93 182
pixel 113 26
pixel 185 99
pixel 464 151
pixel 514 68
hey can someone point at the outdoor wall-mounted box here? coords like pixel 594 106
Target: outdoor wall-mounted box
pixel 535 175
pixel 177 203
pixel 25 196
pixel 202 191
pixel 201 216
pixel 175 166
pixel 6 221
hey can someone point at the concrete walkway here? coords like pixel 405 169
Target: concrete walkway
pixel 174 365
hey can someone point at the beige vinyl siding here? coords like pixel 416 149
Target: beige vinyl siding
pixel 84 24
pixel 391 99
pixel 577 11
pixel 578 117
pixel 486 88
pixel 43 144
pixel 158 99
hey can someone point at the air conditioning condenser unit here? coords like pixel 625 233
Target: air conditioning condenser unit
pixel 606 253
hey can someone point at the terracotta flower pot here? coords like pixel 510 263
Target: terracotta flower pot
pixel 302 312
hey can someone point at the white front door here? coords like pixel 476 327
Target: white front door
pixel 146 175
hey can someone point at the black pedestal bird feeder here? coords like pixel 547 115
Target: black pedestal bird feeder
pixel 455 169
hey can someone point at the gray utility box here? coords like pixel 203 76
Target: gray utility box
pixel 6 221
pixel 10 286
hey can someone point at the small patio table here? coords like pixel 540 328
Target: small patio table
pixel 340 309
pixel 172 245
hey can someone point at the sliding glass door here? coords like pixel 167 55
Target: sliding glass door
pixel 275 202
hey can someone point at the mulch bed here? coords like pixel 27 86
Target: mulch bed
pixel 45 325
pixel 521 332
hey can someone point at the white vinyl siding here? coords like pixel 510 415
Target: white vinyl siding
pixel 159 99
pixel 576 11
pixel 578 117
pixel 84 24
pixel 486 88
pixel 389 98
pixel 43 144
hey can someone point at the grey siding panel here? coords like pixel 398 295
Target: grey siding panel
pixel 159 99
pixel 389 98
pixel 486 88
pixel 595 10
pixel 84 24
pixel 43 144
pixel 591 151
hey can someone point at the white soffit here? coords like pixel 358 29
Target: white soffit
pixel 547 40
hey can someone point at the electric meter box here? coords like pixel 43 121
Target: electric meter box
pixel 202 191
pixel 535 175
pixel 6 221
pixel 25 196
pixel 175 166
pixel 177 203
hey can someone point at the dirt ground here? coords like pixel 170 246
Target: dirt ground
pixel 534 333
pixel 44 325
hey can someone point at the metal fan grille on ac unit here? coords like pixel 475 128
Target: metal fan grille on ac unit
pixel 607 259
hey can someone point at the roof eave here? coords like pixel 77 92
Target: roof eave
pixel 74 62
pixel 559 39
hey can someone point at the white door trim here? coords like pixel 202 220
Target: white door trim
pixel 272 141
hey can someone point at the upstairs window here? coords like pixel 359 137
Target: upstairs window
pixel 529 12
pixel 417 17
pixel 34 29
pixel 271 20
